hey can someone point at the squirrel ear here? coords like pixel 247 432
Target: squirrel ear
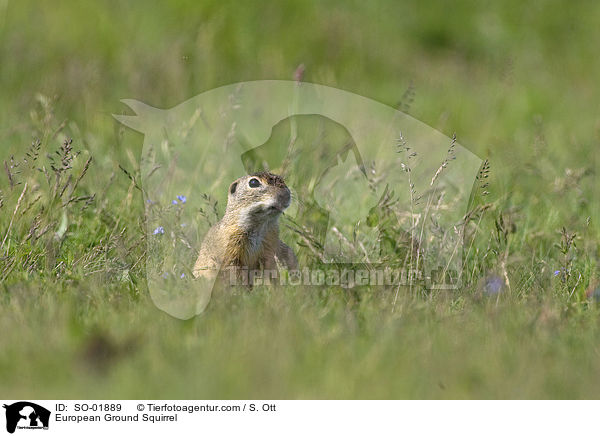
pixel 233 187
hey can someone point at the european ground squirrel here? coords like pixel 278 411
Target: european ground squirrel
pixel 248 234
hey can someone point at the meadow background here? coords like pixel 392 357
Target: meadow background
pixel 517 82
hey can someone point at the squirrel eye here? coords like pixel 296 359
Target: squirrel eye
pixel 254 183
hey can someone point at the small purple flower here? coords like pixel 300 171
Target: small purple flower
pixel 182 198
pixel 165 275
pixel 174 202
pixel 493 285
pixel 557 272
pixel 182 275
pixel 159 230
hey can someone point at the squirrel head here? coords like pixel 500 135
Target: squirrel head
pixel 257 198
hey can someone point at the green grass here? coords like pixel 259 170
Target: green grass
pixel 516 82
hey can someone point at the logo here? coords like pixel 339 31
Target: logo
pixel 373 189
pixel 26 415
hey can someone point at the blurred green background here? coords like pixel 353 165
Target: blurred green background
pixel 517 82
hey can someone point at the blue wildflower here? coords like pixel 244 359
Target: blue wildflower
pixel 182 198
pixel 159 230
pixel 557 272
pixel 174 202
pixel 165 275
pixel 182 275
pixel 493 285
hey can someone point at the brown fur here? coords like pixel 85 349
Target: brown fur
pixel 248 234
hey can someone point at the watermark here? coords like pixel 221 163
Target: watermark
pixel 368 185
pixel 348 277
